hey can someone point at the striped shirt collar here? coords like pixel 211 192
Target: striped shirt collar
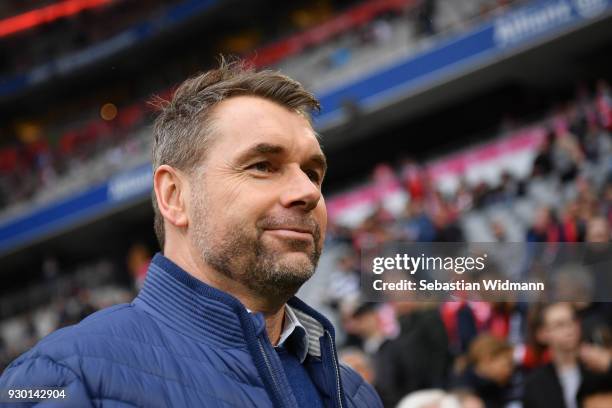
pixel 294 336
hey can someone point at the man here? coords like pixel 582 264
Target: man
pixel 418 358
pixel 573 369
pixel 241 222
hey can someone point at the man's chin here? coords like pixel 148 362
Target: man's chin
pixel 296 261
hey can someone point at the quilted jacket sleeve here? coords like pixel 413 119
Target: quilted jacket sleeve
pixel 42 372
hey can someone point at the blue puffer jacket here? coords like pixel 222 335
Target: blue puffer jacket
pixel 181 343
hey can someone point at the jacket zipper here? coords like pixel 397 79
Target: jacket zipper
pixel 338 393
pixel 269 366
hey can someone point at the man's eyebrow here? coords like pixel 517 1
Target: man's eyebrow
pixel 268 148
pixel 260 148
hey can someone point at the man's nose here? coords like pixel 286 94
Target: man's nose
pixel 300 191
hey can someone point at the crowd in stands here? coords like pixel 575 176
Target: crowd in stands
pixel 51 38
pixel 490 354
pixel 65 296
pixel 38 161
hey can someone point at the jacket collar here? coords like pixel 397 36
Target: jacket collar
pixel 210 315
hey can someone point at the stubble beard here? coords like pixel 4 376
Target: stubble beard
pixel 247 260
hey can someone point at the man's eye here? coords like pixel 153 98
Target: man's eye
pixel 263 166
pixel 313 175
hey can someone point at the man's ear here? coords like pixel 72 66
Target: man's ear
pixel 171 191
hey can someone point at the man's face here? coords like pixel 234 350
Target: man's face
pixel 256 213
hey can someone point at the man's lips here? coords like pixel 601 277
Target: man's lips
pixel 292 233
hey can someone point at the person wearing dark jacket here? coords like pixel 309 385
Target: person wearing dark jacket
pixel 418 358
pixel 573 369
pixel 241 222
pixel 490 372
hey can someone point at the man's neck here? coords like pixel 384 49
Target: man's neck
pixel 272 307
pixel 274 325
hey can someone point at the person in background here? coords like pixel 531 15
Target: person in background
pixel 597 257
pixel 344 280
pixel 358 361
pixel 425 14
pixel 418 358
pixel 489 371
pixel 543 162
pixel 138 260
pixel 572 367
pixel 545 227
pixel 364 321
pixel 598 230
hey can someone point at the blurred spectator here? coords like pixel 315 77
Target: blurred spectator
pixel 489 372
pixel 603 100
pixel 374 230
pixel 446 227
pixel 572 226
pixel 543 162
pixel 463 322
pixel 415 224
pixel 508 321
pixel 364 321
pixel 596 143
pixel 598 230
pixel 567 157
pixel 463 197
pixel 344 281
pixel 598 257
pixel 358 361
pixel 425 14
pixel 508 190
pixel 138 260
pixel 382 31
pixel 413 179
pixel 545 227
pixel 559 382
pixel 417 358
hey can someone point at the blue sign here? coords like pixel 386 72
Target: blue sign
pixel 86 205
